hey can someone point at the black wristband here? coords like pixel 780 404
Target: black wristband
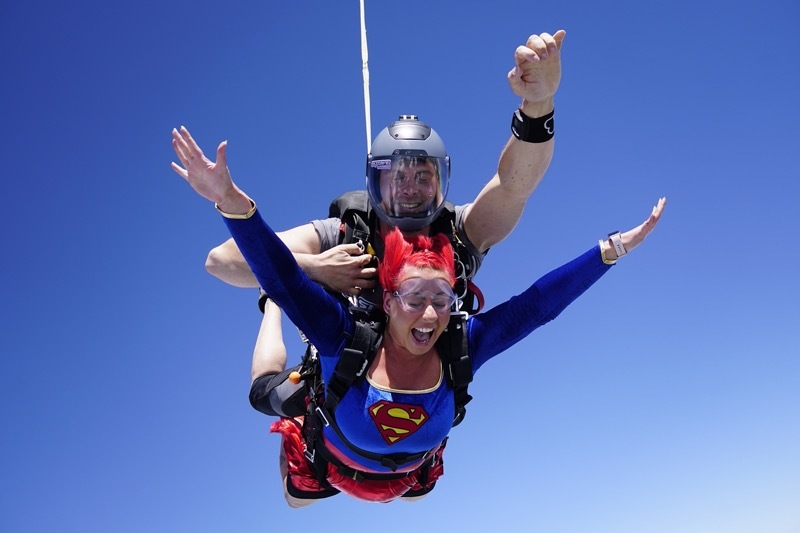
pixel 533 130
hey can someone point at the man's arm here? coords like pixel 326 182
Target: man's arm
pixel 344 268
pixel 498 207
pixel 226 262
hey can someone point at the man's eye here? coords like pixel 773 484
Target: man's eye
pixel 423 177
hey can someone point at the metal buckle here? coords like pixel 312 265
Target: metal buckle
pixel 310 455
pixel 322 417
pixel 463 314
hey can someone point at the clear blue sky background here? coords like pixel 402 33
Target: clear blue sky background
pixel 665 400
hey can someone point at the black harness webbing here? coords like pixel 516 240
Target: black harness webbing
pixel 453 349
pixel 322 456
pixel 354 361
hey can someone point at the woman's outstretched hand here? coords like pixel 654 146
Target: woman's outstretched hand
pixel 633 238
pixel 210 180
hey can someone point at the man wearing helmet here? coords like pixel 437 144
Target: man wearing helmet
pixel 407 174
pixel 481 224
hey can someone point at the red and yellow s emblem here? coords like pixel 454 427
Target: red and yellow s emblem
pixel 396 421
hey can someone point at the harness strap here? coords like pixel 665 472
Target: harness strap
pixel 356 231
pixel 353 362
pixel 360 475
pixel 454 351
pixel 312 435
pixel 477 306
pixel 390 461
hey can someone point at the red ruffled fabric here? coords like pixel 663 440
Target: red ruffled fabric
pixel 304 479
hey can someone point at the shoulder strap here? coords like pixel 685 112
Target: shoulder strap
pixel 471 301
pixel 454 352
pixel 352 208
pixel 354 361
pixel 445 222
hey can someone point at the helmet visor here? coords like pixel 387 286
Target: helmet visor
pixel 407 186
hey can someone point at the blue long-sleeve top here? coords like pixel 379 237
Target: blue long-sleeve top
pixel 387 421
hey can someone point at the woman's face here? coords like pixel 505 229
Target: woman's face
pixel 419 310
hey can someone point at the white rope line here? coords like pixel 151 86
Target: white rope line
pixel 365 75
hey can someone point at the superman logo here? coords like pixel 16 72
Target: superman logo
pixel 396 421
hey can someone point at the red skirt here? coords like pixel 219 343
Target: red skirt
pixel 303 479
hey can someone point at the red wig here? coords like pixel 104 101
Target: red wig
pixel 418 251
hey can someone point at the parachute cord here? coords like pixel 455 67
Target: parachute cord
pixel 367 118
pixel 365 75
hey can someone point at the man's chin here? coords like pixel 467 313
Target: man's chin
pixel 417 212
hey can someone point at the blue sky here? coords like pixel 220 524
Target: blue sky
pixel 664 400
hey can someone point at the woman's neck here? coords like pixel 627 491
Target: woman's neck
pixel 397 368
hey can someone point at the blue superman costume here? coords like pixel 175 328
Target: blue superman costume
pixel 372 417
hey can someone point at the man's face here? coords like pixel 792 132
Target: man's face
pixel 410 187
